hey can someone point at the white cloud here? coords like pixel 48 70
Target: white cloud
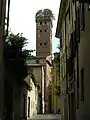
pixel 22 18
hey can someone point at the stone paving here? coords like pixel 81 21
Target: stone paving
pixel 47 117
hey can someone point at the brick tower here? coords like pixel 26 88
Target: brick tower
pixel 44 47
pixel 43 33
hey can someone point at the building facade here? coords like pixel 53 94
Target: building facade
pixel 30 97
pixel 2 21
pixel 73 30
pixel 36 66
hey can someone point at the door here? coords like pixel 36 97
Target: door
pixel 73 107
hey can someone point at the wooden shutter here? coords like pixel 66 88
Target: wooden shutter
pixel 78 24
pixel 82 16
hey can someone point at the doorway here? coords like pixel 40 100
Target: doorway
pixel 8 102
pixel 72 107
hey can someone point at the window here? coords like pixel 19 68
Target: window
pixel 45 43
pixel 40 44
pixel 40 23
pixel 86 1
pixel 69 12
pixel 82 84
pixel 45 30
pixel 28 106
pixel 24 107
pixel 73 1
pixel 40 30
pixel 45 22
pixel 82 17
pixel 77 98
pixel 70 66
pixel 73 44
pixel 78 24
pixel 37 61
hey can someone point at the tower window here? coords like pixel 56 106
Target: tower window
pixel 40 23
pixel 45 30
pixel 40 44
pixel 40 30
pixel 45 22
pixel 45 43
pixel 37 61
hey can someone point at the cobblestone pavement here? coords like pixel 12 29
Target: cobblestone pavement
pixel 46 117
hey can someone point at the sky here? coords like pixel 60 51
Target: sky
pixel 22 19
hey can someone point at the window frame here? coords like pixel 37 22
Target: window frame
pixel 40 31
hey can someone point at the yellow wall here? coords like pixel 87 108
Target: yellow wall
pixel 55 98
pixel 33 94
pixel 39 76
pixel 53 89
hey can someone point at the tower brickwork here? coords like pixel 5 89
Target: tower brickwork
pixel 44 47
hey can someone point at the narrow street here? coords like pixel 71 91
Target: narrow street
pixel 47 117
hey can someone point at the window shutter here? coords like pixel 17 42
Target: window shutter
pixel 82 17
pixel 78 24
pixel 73 44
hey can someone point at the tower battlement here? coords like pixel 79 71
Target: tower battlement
pixel 44 15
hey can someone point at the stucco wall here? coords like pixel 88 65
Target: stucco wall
pixel 84 62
